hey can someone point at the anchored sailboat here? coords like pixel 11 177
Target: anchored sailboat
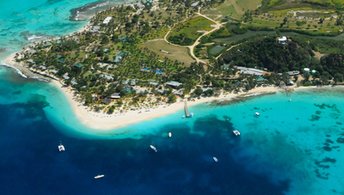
pixel 186 111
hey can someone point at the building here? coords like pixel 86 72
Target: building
pixel 115 96
pixel 251 71
pixel 73 82
pixel 65 76
pixel 95 29
pixel 107 20
pixel 78 65
pixel 293 73
pixel 306 70
pixel 119 57
pixel 282 40
pixel 107 77
pixel 174 84
pixel 153 83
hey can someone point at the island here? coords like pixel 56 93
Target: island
pixel 133 58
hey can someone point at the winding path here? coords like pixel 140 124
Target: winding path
pixel 216 26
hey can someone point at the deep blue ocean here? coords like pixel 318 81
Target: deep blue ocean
pixel 294 147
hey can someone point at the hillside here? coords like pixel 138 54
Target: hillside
pixel 283 4
pixel 267 53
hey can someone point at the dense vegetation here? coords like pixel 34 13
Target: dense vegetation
pixel 333 65
pixel 296 55
pixel 273 4
pixel 187 32
pixel 268 53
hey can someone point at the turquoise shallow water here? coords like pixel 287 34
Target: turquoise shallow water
pixel 20 19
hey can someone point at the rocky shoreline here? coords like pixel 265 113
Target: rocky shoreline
pixel 87 11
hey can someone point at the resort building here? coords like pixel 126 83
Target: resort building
pixel 73 82
pixel 107 20
pixel 250 71
pixel 65 76
pixel 174 84
pixel 119 57
pixel 115 96
pixel 293 73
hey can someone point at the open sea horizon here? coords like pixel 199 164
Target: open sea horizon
pixel 295 146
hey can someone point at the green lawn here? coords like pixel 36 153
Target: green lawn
pixel 306 20
pixel 187 32
pixel 165 50
pixel 232 8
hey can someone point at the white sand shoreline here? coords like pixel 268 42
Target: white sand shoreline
pixel 103 121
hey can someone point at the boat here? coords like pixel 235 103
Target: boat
pixel 61 148
pixel 257 113
pixel 215 159
pixel 170 134
pixel 187 114
pixel 153 148
pixel 99 176
pixel 236 132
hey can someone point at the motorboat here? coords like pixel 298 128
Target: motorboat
pixel 61 148
pixel 99 176
pixel 215 159
pixel 169 134
pixel 257 114
pixel 153 148
pixel 236 132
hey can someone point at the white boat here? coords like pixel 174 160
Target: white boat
pixel 236 132
pixel 61 148
pixel 153 148
pixel 257 113
pixel 99 176
pixel 215 159
pixel 170 134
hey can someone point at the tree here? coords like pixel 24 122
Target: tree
pixel 198 91
pixel 171 98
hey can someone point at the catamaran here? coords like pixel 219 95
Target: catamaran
pixel 61 148
pixel 187 114
pixel 236 132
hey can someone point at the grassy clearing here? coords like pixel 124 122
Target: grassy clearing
pixel 171 52
pixel 310 21
pixel 232 8
pixel 283 4
pixel 187 32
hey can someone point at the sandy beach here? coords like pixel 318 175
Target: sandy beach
pixel 103 121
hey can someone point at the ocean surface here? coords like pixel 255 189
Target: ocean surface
pixel 295 146
pixel 25 21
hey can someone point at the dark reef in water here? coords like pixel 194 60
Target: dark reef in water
pixel 340 140
pixel 323 165
pixel 314 118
